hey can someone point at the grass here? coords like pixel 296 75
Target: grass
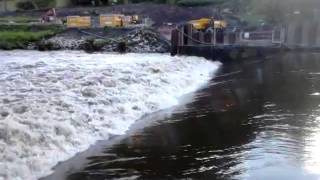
pixel 20 39
pixel 19 36
pixel 198 2
pixel 31 27
pixel 18 19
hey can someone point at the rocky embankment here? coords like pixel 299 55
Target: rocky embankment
pixel 139 41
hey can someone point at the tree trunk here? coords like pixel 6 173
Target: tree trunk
pixel 5 6
pixel 34 4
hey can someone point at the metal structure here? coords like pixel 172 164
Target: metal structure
pixel 220 43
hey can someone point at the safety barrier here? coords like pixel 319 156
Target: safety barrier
pixel 78 21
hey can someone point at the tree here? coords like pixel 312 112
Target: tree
pixel 5 6
pixel 35 5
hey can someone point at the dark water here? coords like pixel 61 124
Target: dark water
pixel 256 120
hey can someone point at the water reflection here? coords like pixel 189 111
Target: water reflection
pixel 312 149
pixel 256 120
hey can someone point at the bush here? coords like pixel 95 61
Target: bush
pixel 18 19
pixel 99 44
pixel 45 3
pixel 9 36
pixel 20 39
pixel 28 5
pixel 25 5
pixel 198 2
pixel 21 27
pixel 106 29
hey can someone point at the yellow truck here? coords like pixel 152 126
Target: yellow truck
pixel 117 20
pixel 78 21
pixel 111 20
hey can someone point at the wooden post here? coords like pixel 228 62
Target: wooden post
pixel 201 37
pixel 174 42
pixel 189 31
pixel 208 37
pixel 215 37
pixel 226 39
pixel 181 36
pixel 195 36
pixel 185 35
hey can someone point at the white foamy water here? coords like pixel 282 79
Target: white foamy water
pixel 55 104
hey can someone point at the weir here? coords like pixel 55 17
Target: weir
pixel 228 44
pixel 238 43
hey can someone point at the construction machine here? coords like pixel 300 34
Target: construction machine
pixel 205 23
pixel 211 24
pixel 118 20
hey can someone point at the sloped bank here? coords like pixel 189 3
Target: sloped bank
pixel 19 36
pixel 55 104
pixel 138 41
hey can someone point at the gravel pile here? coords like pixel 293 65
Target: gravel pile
pixel 57 43
pixel 139 41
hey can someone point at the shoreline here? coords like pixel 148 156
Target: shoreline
pixel 74 164
pixel 142 40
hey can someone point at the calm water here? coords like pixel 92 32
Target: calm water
pixel 256 120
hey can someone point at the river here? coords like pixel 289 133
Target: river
pixel 56 104
pixel 257 119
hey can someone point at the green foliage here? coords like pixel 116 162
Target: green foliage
pixel 18 36
pixel 19 39
pixel 45 3
pixel 34 4
pixel 22 36
pixel 99 43
pixel 198 2
pixel 18 19
pixel 25 5
pixel 106 29
pixel 34 28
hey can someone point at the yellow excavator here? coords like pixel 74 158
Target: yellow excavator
pixel 205 23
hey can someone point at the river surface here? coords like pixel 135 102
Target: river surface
pixel 56 104
pixel 256 119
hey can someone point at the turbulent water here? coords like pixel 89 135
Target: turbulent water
pixel 55 104
pixel 257 119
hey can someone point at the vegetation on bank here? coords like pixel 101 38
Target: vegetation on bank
pixel 40 4
pixel 18 19
pixel 198 2
pixel 19 36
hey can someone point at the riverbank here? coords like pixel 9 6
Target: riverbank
pixel 162 19
pixel 19 36
pixel 56 37
pixel 142 40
